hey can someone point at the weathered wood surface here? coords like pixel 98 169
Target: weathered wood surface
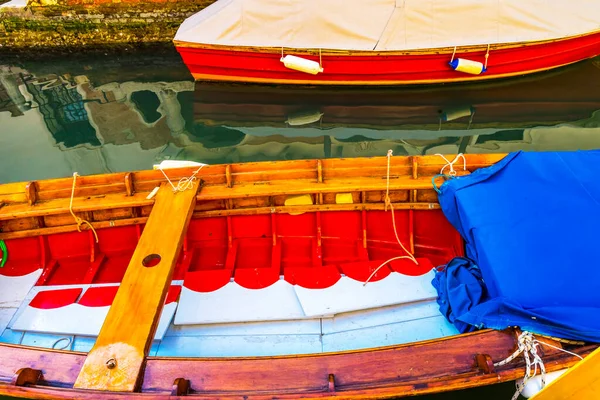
pixel 42 207
pixel 405 370
pixel 117 358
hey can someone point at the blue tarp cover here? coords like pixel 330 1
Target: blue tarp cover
pixel 531 224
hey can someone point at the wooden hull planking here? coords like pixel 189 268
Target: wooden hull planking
pixel 420 368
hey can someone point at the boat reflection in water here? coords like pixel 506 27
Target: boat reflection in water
pixel 541 112
pixel 103 116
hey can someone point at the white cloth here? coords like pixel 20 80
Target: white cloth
pixel 387 24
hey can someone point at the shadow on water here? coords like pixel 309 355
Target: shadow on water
pixel 127 111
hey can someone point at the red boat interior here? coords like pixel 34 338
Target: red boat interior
pixel 311 250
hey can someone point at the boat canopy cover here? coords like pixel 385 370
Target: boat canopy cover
pixel 386 24
pixel 530 223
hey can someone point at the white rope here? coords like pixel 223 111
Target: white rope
pixel 451 163
pixel 320 59
pixel 388 202
pixel 184 183
pixel 528 345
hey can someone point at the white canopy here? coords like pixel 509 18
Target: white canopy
pixel 387 24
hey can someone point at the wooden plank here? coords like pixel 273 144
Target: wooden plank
pixel 580 382
pixel 58 206
pixel 115 362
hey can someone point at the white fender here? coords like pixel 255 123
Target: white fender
pixel 534 385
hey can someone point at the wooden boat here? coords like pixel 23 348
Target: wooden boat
pixel 316 230
pixel 384 42
pixel 560 96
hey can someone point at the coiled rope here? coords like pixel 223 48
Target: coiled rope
pixel 528 346
pixel 79 220
pixel 388 203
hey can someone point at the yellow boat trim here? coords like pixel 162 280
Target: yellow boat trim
pixel 580 382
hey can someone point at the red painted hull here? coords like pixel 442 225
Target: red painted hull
pixel 223 63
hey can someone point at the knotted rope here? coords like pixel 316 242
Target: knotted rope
pixel 451 173
pixel 388 203
pixel 79 221
pixel 451 163
pixel 528 345
pixel 184 183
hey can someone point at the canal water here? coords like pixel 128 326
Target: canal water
pixel 129 110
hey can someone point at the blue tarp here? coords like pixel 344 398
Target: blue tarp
pixel 531 224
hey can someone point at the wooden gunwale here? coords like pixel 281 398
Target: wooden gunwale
pixel 366 53
pixel 464 374
pixel 233 189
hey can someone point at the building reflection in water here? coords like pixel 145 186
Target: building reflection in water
pixel 52 124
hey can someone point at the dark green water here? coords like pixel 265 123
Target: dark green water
pixel 127 111
pixel 117 112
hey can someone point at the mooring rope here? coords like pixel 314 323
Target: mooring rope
pixel 387 203
pixel 79 220
pixel 528 346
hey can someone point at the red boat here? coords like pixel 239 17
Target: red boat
pixel 384 42
pixel 248 281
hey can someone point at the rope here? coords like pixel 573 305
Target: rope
pixel 528 346
pixel 320 59
pixel 388 202
pixel 433 178
pixel 487 55
pixel 184 183
pixel 4 253
pixel 451 163
pixel 77 219
pixel 68 339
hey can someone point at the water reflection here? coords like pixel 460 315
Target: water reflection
pixel 116 114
